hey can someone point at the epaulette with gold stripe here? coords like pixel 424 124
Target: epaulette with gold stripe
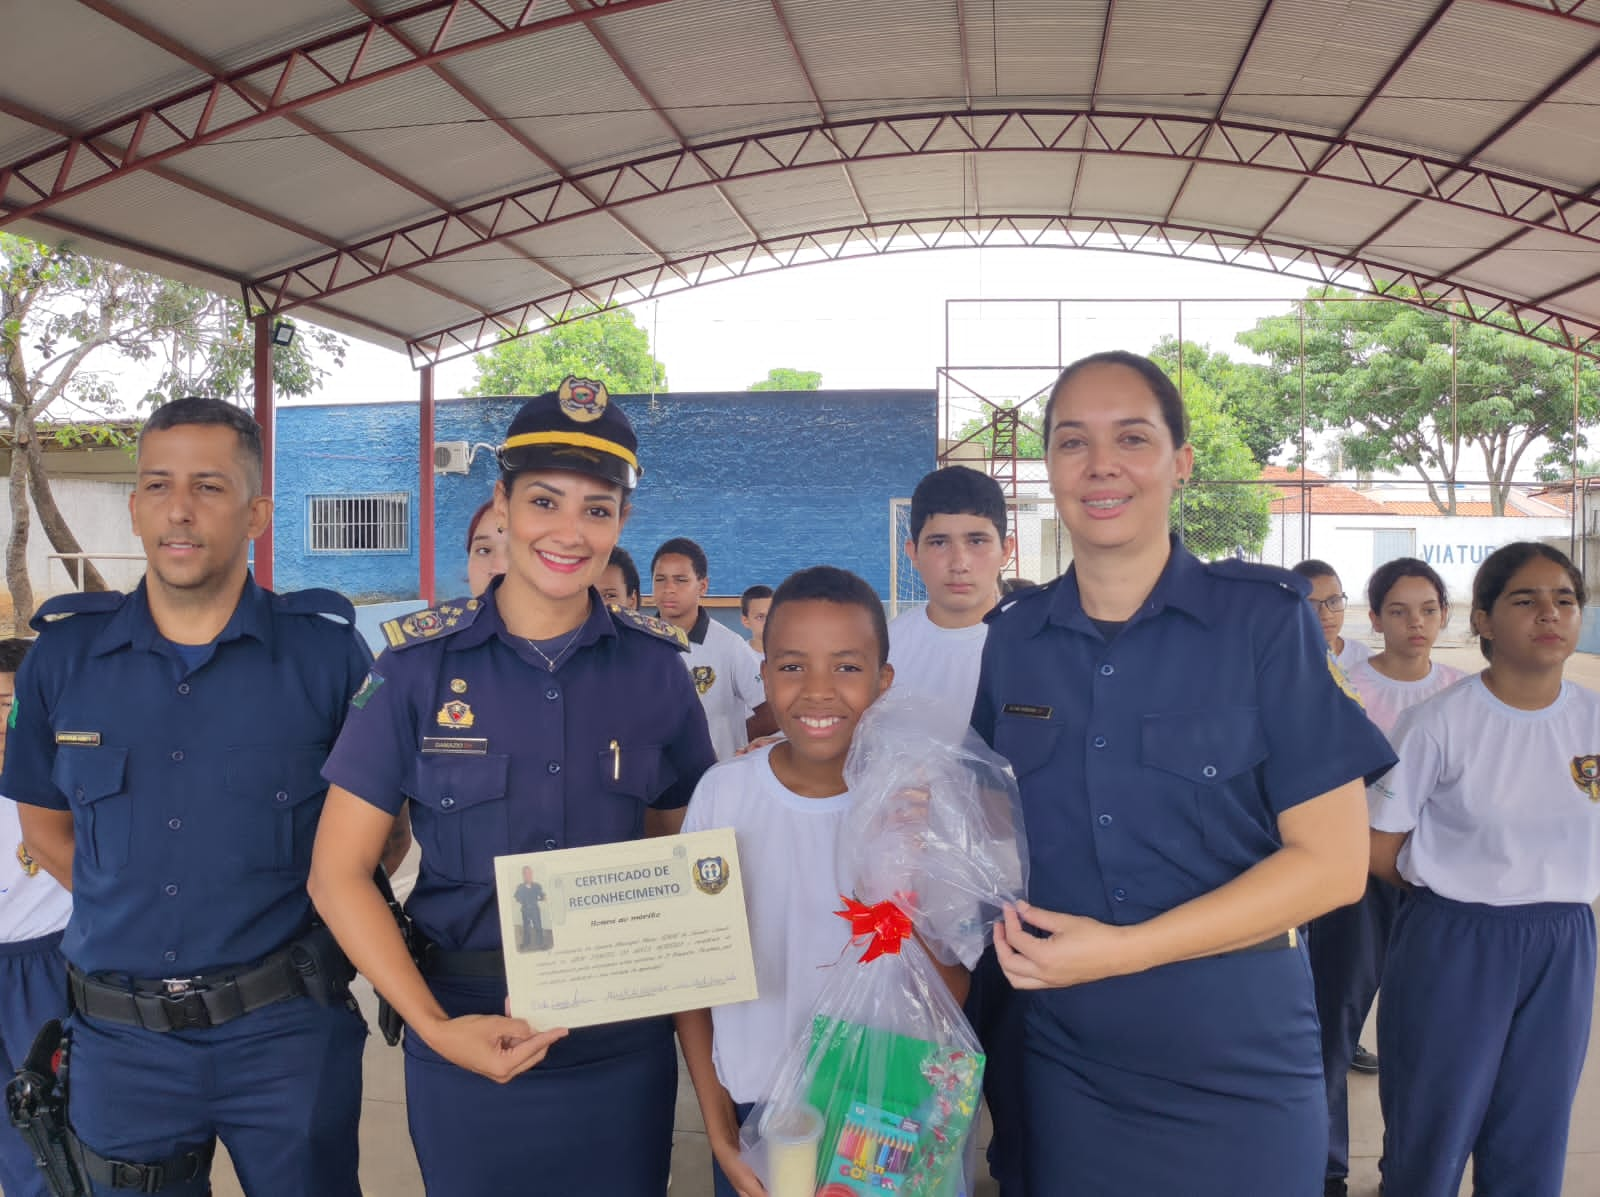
pixel 421 626
pixel 627 617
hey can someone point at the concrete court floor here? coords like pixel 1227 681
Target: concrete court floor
pixel 389 1168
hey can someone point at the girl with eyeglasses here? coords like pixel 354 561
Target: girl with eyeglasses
pixel 1329 600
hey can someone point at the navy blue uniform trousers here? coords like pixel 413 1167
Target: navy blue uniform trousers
pixel 1348 946
pixel 33 990
pixel 1482 1028
pixel 281 1087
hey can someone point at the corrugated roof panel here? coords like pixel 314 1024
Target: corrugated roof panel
pixel 1581 304
pixel 1037 183
pixel 288 171
pixel 1172 57
pixel 917 187
pixel 396 303
pixel 1141 188
pixel 816 198
pixel 1336 215
pixel 591 247
pixel 19 138
pixel 183 223
pixel 1559 143
pixel 1535 270
pixel 1231 197
pixel 1434 238
pixel 1316 61
pixel 233 36
pixel 759 81
pixel 904 48
pixel 684 222
pixel 495 276
pixel 1047 50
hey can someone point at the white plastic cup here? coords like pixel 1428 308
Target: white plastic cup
pixel 793 1138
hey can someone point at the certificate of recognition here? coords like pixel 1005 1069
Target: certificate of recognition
pixel 619 931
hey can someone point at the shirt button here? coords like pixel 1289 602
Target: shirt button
pixel 1107 670
pixel 552 694
pixel 78 792
pixel 1120 895
pixel 550 844
pixel 553 768
pixel 1105 820
pixel 281 796
pixel 1099 741
pixel 169 955
pixel 178 756
pixel 183 687
pixel 175 824
pixel 1209 771
pixel 170 890
pixel 447 802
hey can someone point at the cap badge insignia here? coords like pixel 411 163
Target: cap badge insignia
pixel 1586 773
pixel 583 399
pixel 704 678
pixel 711 874
pixel 458 685
pixel 455 714
pixel 30 866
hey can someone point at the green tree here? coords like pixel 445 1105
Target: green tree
pixel 604 344
pixel 781 378
pixel 61 314
pixel 1378 374
pixel 1266 417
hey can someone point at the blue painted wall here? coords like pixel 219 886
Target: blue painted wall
pixel 766 482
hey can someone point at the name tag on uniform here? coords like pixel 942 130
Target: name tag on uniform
pixel 457 746
pixel 1027 711
pixel 84 739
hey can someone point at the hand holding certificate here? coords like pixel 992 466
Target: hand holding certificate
pixel 629 930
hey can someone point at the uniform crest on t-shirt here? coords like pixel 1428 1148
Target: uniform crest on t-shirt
pixel 704 678
pixel 1586 773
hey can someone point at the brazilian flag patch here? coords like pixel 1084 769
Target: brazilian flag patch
pixel 363 695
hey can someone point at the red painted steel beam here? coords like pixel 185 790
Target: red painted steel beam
pixel 1316 263
pixel 816 96
pixel 328 66
pixel 1584 12
pixel 1094 92
pixel 262 328
pixel 1137 135
pixel 425 551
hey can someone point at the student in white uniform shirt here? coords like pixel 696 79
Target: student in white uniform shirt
pixel 727 674
pixel 1492 817
pixel 34 911
pixel 1408 606
pixel 1329 599
pixel 959 545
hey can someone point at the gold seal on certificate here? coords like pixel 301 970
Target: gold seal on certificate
pixel 630 930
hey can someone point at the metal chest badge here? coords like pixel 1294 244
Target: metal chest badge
pixel 455 714
pixel 711 874
pixel 704 678
pixel 583 399
pixel 1586 773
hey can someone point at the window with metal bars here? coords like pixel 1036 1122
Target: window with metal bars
pixel 359 523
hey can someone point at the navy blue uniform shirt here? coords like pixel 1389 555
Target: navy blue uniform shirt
pixel 194 791
pixel 499 755
pixel 1153 768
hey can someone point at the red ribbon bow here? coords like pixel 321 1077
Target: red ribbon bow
pixel 886 923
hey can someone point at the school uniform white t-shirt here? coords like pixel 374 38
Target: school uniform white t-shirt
pixel 938 663
pixel 1352 654
pixel 1384 698
pixel 787 852
pixel 727 676
pixel 30 907
pixel 1501 803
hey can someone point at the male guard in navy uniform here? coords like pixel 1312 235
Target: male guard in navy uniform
pixel 166 750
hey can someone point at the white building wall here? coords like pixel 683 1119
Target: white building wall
pixel 97 512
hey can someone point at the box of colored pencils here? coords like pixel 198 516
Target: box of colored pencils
pixel 871 1153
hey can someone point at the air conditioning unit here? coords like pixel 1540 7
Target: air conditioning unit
pixel 452 457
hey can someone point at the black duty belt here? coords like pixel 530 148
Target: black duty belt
pixel 182 1003
pixel 434 961
pixel 146 1178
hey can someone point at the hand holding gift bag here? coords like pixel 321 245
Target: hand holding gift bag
pixel 880 1095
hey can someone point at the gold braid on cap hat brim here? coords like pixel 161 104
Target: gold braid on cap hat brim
pixel 579 439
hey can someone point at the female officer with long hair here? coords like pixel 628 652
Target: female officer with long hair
pixel 530 718
pixel 1191 781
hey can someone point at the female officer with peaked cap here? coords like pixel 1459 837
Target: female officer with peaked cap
pixel 531 718
pixel 1191 781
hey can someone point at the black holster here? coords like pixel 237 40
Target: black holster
pixel 323 967
pixel 390 1024
pixel 36 1103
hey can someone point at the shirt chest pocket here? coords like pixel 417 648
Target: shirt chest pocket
pixel 628 777
pixel 464 820
pixel 1026 742
pixel 94 782
pixel 1209 755
pixel 273 805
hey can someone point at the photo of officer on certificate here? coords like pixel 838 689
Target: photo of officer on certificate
pixel 623 931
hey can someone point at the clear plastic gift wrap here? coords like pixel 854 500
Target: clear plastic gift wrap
pixel 881 1092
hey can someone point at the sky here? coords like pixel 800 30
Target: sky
pixel 883 322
